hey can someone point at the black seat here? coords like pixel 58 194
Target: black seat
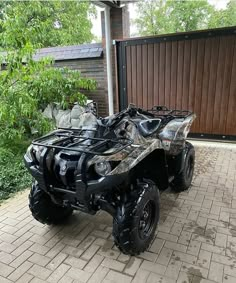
pixel 148 127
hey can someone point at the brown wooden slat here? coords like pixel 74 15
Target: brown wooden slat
pixel 162 74
pixel 139 77
pixel 168 74
pixel 156 74
pixel 150 76
pixel 231 120
pixel 212 84
pixel 205 84
pixel 134 74
pixel 173 77
pixel 129 73
pixel 219 86
pixel 226 85
pixel 144 75
pixel 180 75
pixel 186 74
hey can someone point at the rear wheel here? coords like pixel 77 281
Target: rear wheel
pixel 44 210
pixel 137 218
pixel 183 180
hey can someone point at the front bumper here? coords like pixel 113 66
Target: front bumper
pixel 82 193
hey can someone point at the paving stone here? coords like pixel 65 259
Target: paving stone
pixel 141 276
pixel 78 274
pixel 224 260
pixel 184 277
pixel 99 275
pixel 173 269
pixel 157 245
pixel 164 256
pixel 75 262
pixel 175 246
pixel 116 277
pixel 5 269
pixel 20 259
pixel 204 259
pixel 153 267
pixel 39 272
pixel 154 278
pixel 132 266
pixel 25 278
pixel 194 270
pixel 56 261
pixel 58 273
pixel 216 272
pixel 113 264
pixel 167 237
pixel 93 263
pixel 221 240
pixel 213 248
pixel 20 271
pixel 6 257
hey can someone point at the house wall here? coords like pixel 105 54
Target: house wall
pixel 94 69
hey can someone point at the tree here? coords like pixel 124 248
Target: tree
pixel 152 17
pixel 52 23
pixel 26 86
pixel 169 16
pixel 224 17
pixel 188 15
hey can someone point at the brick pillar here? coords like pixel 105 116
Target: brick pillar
pixel 120 28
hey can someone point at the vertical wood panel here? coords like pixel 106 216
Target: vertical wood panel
pixel 139 77
pixel 156 74
pixel 150 76
pixel 173 78
pixel 167 74
pixel 180 74
pixel 212 83
pixel 226 85
pixel 162 74
pixel 134 74
pixel 144 73
pixel 129 73
pixel 186 74
pixel 231 120
pixel 197 74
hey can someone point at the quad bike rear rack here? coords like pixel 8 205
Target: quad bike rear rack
pixel 164 112
pixel 76 142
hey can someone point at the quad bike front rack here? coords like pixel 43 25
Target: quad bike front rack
pixel 74 140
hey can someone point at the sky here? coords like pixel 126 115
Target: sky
pixel 219 4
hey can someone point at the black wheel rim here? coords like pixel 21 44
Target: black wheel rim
pixel 190 165
pixel 146 220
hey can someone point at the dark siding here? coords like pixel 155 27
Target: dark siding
pixel 94 69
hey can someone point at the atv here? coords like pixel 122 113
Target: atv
pixel 117 164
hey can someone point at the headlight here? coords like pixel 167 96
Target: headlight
pixel 102 168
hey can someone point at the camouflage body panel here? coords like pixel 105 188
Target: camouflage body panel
pixel 171 139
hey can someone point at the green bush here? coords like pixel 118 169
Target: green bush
pixel 13 174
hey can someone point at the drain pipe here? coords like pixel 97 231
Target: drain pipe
pixel 109 60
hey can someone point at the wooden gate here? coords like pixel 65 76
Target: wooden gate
pixel 194 71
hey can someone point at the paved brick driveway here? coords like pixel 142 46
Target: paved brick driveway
pixel 195 241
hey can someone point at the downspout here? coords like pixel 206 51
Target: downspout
pixel 109 60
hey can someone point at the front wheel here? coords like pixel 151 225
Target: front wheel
pixel 44 210
pixel 137 218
